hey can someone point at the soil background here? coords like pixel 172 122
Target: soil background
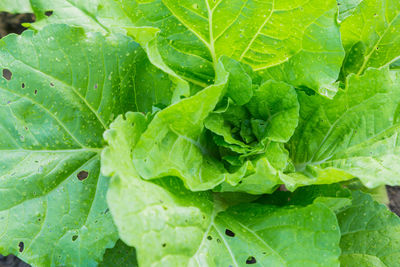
pixel 10 23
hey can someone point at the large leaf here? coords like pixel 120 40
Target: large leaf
pixel 371 35
pixel 295 42
pixel 172 226
pixel 195 34
pixel 59 91
pixel 355 135
pixel 370 234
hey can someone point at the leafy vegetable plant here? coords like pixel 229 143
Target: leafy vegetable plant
pixel 200 133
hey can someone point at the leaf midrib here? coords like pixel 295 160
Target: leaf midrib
pixel 211 45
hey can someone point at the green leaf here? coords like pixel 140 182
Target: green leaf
pixel 120 255
pixel 371 36
pixel 59 91
pixel 178 130
pixel 170 213
pixel 347 7
pixel 16 6
pixel 195 34
pixel 172 226
pixel 370 234
pixel 357 133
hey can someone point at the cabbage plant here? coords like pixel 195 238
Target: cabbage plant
pixel 201 133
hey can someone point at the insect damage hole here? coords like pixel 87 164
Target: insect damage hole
pixel 48 13
pixel 7 74
pixel 251 260
pixel 229 233
pixel 21 246
pixel 74 237
pixel 82 175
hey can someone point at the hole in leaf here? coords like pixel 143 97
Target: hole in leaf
pixel 164 245
pixel 229 233
pixel 48 13
pixel 74 237
pixel 7 74
pixel 51 84
pixel 251 260
pixel 82 175
pixel 209 237
pixel 21 246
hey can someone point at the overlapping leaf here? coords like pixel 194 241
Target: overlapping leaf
pixel 182 228
pixel 194 34
pixel 209 138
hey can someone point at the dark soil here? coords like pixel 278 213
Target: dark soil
pixel 394 196
pixel 10 23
